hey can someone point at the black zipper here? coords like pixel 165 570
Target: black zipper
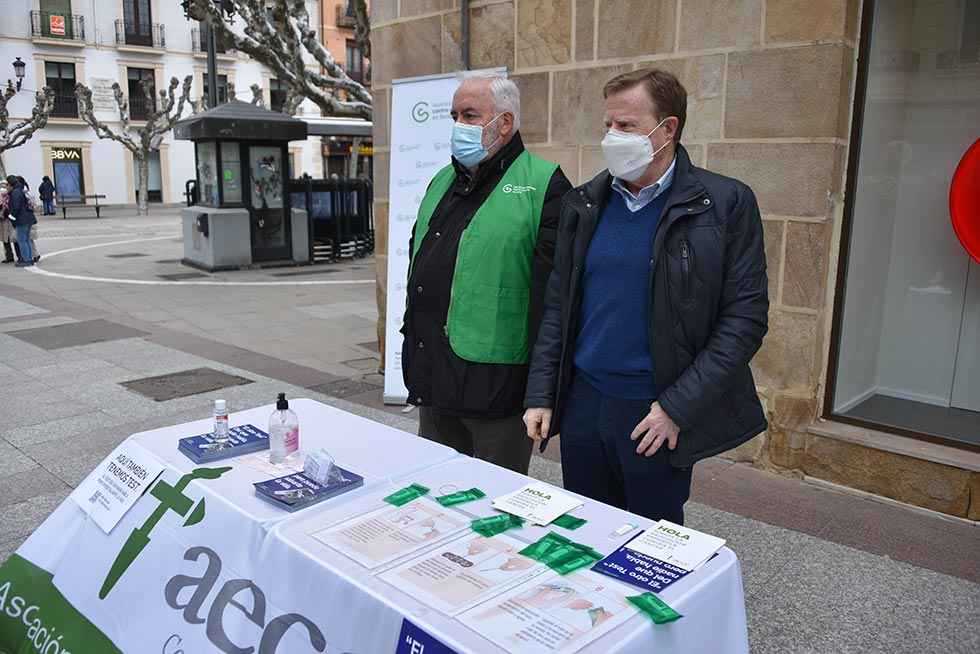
pixel 686 268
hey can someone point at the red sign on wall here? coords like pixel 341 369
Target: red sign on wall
pixel 57 25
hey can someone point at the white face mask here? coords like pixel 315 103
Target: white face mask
pixel 628 155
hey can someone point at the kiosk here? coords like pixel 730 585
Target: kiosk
pixel 244 216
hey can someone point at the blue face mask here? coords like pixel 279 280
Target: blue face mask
pixel 467 142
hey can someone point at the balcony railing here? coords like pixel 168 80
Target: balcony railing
pixel 150 36
pixel 140 107
pixel 50 25
pixel 199 42
pixel 65 106
pixel 345 16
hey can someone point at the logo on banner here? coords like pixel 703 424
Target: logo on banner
pixel 421 112
pixel 171 498
pixel 517 188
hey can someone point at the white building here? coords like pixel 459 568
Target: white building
pixel 99 42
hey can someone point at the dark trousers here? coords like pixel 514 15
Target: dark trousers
pixel 599 460
pixel 502 441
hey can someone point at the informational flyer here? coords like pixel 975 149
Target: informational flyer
pixel 677 545
pixel 552 613
pixel 391 532
pixel 464 572
pixel 112 488
pixel 640 570
pixel 538 503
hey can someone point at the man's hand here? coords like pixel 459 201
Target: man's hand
pixel 538 422
pixel 658 428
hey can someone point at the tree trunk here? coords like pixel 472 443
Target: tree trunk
pixel 3 168
pixel 143 190
pixel 355 152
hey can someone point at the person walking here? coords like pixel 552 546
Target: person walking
pixel 7 233
pixel 47 192
pixel 23 218
pixel 658 301
pixel 34 205
pixel 481 253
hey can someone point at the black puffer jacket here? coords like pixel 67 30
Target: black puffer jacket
pixel 709 310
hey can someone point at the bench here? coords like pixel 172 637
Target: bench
pixel 77 202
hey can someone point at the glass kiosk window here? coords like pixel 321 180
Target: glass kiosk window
pixel 207 174
pixel 231 173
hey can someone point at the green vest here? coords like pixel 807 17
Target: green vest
pixel 491 293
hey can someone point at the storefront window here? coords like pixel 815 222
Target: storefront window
pixel 908 323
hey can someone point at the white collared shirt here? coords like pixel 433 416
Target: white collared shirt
pixel 647 194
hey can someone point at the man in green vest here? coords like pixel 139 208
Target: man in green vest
pixel 482 251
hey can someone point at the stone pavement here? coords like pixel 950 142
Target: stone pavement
pixel 824 571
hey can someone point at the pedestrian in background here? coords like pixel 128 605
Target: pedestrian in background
pixel 23 217
pixel 7 233
pixel 46 191
pixel 658 301
pixel 34 204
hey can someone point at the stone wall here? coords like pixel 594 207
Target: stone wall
pixel 769 100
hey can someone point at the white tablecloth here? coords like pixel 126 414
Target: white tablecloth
pixel 247 568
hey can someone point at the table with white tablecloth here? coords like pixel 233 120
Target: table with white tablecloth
pixel 245 576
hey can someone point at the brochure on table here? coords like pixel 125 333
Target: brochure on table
pixel 552 614
pixel 464 572
pixel 113 487
pixel 679 546
pixel 391 532
pixel 539 504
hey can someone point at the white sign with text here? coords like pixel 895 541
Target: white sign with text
pixel 113 488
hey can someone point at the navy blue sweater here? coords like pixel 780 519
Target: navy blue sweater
pixel 612 350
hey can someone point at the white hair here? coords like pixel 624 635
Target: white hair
pixel 503 91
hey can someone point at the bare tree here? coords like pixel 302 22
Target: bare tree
pixel 278 33
pixel 12 136
pixel 362 27
pixel 143 140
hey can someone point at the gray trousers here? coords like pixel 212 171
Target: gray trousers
pixel 502 441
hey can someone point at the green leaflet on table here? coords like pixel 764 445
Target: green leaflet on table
pixel 569 522
pixel 459 497
pixel 654 608
pixel 407 494
pixel 496 524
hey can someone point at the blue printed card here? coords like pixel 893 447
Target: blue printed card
pixel 244 439
pixel 639 570
pixel 297 491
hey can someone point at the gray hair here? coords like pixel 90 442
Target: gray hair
pixel 504 92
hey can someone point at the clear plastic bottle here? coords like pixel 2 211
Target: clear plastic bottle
pixel 221 436
pixel 283 431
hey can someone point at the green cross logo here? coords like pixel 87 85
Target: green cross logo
pixel 171 498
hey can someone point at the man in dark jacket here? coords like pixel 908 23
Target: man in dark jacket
pixel 481 253
pixel 657 302
pixel 22 217
pixel 46 192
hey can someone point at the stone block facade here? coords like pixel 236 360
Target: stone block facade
pixel 770 86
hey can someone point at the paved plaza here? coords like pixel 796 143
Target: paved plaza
pixel 109 303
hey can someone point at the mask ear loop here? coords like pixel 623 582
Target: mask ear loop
pixel 492 121
pixel 666 143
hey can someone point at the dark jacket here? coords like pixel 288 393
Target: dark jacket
pixel 708 313
pixel 434 375
pixel 46 190
pixel 20 208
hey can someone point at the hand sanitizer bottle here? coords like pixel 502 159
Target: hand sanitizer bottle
pixel 283 431
pixel 221 436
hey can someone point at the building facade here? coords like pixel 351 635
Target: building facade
pixel 848 118
pixel 99 42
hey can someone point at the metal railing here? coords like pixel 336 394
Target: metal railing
pixel 65 105
pixel 52 25
pixel 140 107
pixel 345 15
pixel 340 214
pixel 199 42
pixel 151 36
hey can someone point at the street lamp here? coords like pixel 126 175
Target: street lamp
pixel 20 68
